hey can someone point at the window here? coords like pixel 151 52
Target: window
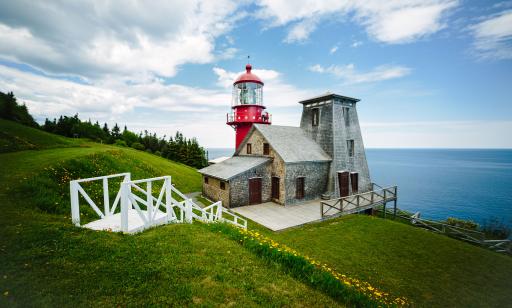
pixel 315 115
pixel 206 180
pixel 299 188
pixel 249 148
pixel 223 185
pixel 266 149
pixel 354 181
pixel 350 147
pixel 346 115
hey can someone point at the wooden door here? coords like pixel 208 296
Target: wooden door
pixel 299 188
pixel 354 181
pixel 343 182
pixel 255 191
pixel 275 187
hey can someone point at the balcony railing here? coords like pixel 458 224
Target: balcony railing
pixel 234 118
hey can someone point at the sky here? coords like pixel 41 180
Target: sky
pixel 429 73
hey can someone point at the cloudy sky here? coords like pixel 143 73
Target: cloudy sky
pixel 429 73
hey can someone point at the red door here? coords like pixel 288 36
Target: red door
pixel 275 187
pixel 354 180
pixel 255 191
pixel 343 181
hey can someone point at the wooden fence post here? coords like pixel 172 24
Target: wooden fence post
pixel 125 205
pixel 168 192
pixel 149 201
pixel 75 208
pixel 106 201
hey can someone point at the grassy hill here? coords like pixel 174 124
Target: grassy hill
pixel 48 262
pixel 16 137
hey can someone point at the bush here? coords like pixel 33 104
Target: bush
pixel 461 223
pixel 158 153
pixel 138 146
pixel 496 228
pixel 120 143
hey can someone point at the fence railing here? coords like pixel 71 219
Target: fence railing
pixel 467 235
pixel 358 202
pixel 136 198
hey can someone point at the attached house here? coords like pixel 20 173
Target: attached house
pixel 323 158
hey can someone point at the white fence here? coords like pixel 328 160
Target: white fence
pixel 139 213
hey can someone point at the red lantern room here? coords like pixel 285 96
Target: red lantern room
pixel 247 104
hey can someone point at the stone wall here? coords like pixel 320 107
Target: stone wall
pixel 315 182
pixel 213 191
pixel 240 185
pixel 277 169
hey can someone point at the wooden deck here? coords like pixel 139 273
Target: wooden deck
pixel 277 217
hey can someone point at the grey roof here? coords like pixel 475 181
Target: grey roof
pixel 233 166
pixel 291 143
pixel 325 96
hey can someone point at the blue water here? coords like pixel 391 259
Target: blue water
pixel 441 183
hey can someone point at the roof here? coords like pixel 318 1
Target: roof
pixel 248 76
pixel 218 160
pixel 291 143
pixel 233 166
pixel 326 96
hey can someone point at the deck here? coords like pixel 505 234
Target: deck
pixel 277 217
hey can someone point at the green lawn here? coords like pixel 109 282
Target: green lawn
pixel 430 269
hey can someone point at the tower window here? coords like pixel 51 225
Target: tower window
pixel 249 148
pixel 266 149
pixel 350 147
pixel 223 185
pixel 315 116
pixel 346 116
pixel 206 180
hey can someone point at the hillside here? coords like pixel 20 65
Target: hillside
pixel 48 262
pixel 16 137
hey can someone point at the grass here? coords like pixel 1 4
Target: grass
pixel 48 262
pixel 16 137
pixel 429 269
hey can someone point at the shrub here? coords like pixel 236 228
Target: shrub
pixel 496 228
pixel 138 146
pixel 461 223
pixel 158 153
pixel 120 143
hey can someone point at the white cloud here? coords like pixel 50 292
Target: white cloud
pixel 350 75
pixel 93 38
pixel 300 31
pixel 333 49
pixel 356 44
pixel 493 37
pixel 386 21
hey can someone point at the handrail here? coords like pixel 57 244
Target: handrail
pixel 354 202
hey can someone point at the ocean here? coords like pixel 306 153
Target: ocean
pixel 473 184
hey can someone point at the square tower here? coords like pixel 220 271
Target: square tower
pixel 331 121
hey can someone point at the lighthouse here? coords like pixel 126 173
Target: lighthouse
pixel 247 105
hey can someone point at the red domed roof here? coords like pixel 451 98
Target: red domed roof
pixel 248 76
